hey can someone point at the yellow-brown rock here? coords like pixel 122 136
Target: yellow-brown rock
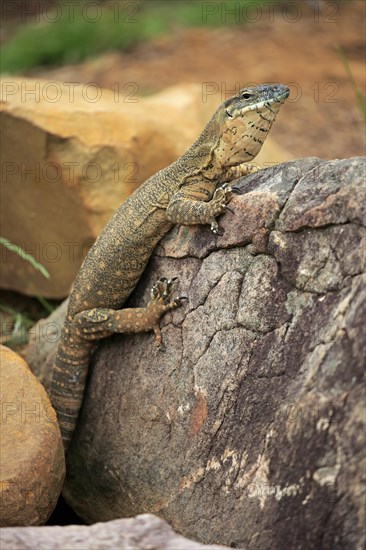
pixel 71 153
pixel 32 461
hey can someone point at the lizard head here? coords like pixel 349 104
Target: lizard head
pixel 245 121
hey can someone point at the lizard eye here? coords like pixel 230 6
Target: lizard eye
pixel 246 95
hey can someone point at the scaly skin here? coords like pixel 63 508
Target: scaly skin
pixel 190 191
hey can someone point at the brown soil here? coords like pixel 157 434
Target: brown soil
pixel 322 118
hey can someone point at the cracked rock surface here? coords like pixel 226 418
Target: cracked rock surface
pixel 248 430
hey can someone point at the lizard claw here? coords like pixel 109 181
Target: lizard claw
pixel 229 209
pixel 231 188
pixel 216 229
pixel 214 226
pixel 177 302
pixel 162 348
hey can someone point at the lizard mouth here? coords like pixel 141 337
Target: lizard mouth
pixel 279 99
pixel 261 98
pixel 263 104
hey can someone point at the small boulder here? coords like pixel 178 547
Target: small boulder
pixel 32 457
pixel 142 532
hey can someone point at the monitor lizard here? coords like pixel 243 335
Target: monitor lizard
pixel 192 190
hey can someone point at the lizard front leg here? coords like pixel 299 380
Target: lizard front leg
pixel 97 323
pixel 199 204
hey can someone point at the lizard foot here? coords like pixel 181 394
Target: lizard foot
pixel 98 323
pixel 161 301
pixel 161 293
pixel 219 205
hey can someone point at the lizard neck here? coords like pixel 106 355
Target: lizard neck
pixel 199 161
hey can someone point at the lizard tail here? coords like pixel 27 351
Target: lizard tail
pixel 68 383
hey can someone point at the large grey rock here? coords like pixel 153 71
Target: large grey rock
pixel 249 429
pixel 145 532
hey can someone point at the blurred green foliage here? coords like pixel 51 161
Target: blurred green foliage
pixel 72 33
pixel 359 96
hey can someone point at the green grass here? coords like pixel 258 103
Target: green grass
pixel 84 32
pixel 15 336
pixel 25 256
pixel 359 96
pixel 21 322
